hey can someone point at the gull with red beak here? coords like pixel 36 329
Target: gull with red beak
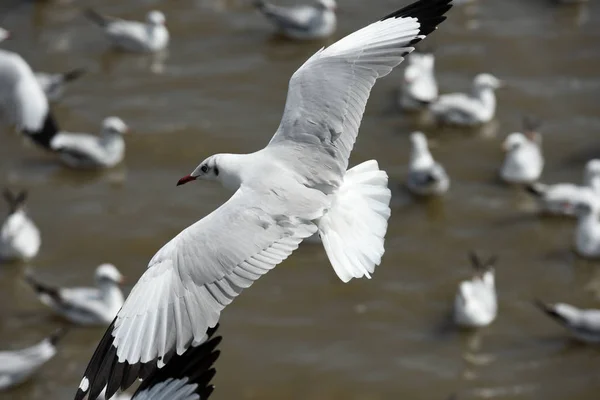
pixel 299 184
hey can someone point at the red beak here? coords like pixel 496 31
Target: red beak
pixel 186 179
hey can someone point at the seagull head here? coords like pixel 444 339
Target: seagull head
pixel 592 169
pixel 418 140
pixel 109 273
pixel 207 170
pixel 4 34
pixel 487 81
pixel 328 5
pixel 114 126
pixel 412 72
pixel 514 141
pixel 155 18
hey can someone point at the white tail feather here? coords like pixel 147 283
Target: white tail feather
pixel 353 230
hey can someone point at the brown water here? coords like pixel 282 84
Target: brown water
pixel 299 333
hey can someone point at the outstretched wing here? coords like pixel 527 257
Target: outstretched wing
pixel 327 95
pixel 189 282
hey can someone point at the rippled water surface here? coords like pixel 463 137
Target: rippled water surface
pixel 299 333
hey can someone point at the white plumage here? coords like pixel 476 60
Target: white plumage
pixel 476 108
pixel 20 238
pixel 583 325
pixel 85 305
pixel 284 194
pixel 419 88
pixel 587 232
pixel 523 161
pixel 425 175
pixel 476 304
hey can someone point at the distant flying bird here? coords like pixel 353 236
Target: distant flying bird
pixel 583 325
pixel 303 21
pixel 54 84
pixel 523 161
pixel 297 185
pixel 20 238
pixel 425 175
pixel 475 108
pixel 476 303
pixel 419 87
pixel 84 305
pixel 139 37
pixel 19 365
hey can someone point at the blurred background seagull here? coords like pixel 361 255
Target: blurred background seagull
pixel 18 365
pixel 54 84
pixel 587 232
pixel 419 87
pixel 85 151
pixel 523 161
pixel 84 305
pixel 4 34
pixel 139 37
pixel 476 108
pixel 476 304
pixel 297 185
pixel 19 236
pixel 584 325
pixel 425 175
pixel 561 198
pixel 303 21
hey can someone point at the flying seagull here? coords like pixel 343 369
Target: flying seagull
pixel 297 185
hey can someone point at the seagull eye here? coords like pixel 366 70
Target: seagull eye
pixel 204 168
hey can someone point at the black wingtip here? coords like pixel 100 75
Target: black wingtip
pixel 429 13
pixel 95 17
pixel 57 335
pixel 260 4
pixel 548 309
pixel 43 137
pixel 74 74
pixel 533 189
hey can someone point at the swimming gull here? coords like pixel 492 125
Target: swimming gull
pixel 587 232
pixel 19 236
pixel 84 305
pixel 419 88
pixel 139 37
pixel 523 162
pixel 476 108
pixel 54 84
pixel 476 304
pixel 18 365
pixel 425 175
pixel 302 21
pixel 297 185
pixel 584 325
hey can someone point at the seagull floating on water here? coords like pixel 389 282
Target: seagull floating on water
pixel 299 184
pixel 304 21
pixel 85 151
pixel 54 84
pixel 476 304
pixel 587 232
pixel 19 236
pixel 561 198
pixel 139 37
pixel 425 175
pixel 19 365
pixel 584 325
pixel 523 162
pixel 86 305
pixel 476 108
pixel 419 88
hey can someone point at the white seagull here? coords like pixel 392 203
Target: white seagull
pixel 138 37
pixel 419 88
pixel 476 304
pixel 425 175
pixel 18 365
pixel 301 22
pixel 297 185
pixel 587 232
pixel 584 325
pixel 561 198
pixel 84 305
pixel 54 84
pixel 85 151
pixel 4 34
pixel 476 108
pixel 523 162
pixel 19 236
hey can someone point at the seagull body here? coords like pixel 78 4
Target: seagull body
pixel 562 198
pixel 476 304
pixel 584 325
pixel 84 306
pixel 476 108
pixel 298 185
pixel 523 162
pixel 303 21
pixel 17 366
pixel 19 236
pixel 54 84
pixel 587 232
pixel 420 87
pixel 425 175
pixel 138 37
